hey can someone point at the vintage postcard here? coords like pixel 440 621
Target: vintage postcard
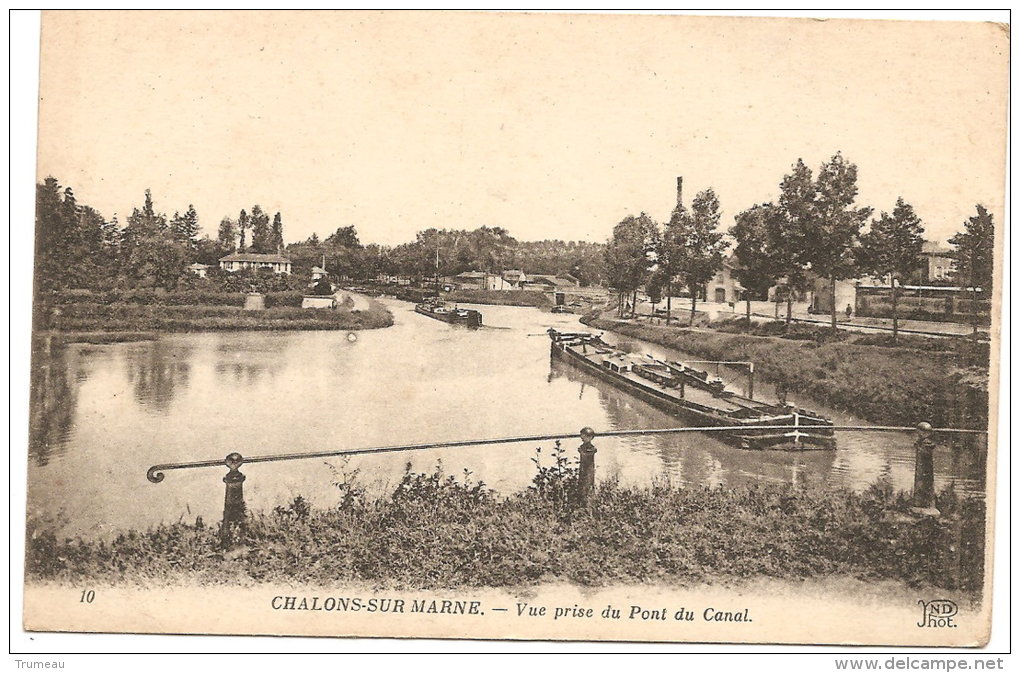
pixel 520 326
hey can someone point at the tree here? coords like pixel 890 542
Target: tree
pixel 789 230
pixel 260 233
pixel 184 228
pixel 699 245
pixel 276 236
pixel 832 234
pixel 243 224
pixel 151 254
pixel 226 236
pixel 974 256
pixel 344 237
pixel 892 248
pixel 758 265
pixel 627 255
pixel 668 254
pixel 75 245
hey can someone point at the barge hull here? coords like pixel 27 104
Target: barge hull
pixel 759 439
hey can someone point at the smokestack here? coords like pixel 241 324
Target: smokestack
pixel 680 191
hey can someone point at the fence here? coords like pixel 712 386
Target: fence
pixel 923 496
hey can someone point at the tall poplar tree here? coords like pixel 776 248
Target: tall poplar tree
pixel 260 231
pixel 276 236
pixel 243 224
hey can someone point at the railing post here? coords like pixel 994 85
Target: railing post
pixel 233 500
pixel 750 381
pixel 924 468
pixel 586 470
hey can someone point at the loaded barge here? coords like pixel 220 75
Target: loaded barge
pixel 455 316
pixel 690 393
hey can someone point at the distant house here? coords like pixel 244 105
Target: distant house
pixel 937 264
pixel 822 295
pixel 538 281
pixel 199 270
pixel 515 277
pixel 478 280
pixel 724 288
pixel 251 260
pixel 318 272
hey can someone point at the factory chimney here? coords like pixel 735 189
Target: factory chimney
pixel 680 191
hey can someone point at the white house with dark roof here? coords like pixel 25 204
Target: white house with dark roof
pixel 250 260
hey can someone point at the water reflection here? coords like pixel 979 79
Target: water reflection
pixel 242 360
pixel 101 415
pixel 696 459
pixel 156 370
pixel 56 375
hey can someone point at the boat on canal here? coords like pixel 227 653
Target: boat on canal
pixel 438 310
pixel 694 396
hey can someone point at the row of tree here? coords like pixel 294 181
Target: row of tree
pixel 814 229
pixel 265 238
pixel 447 252
pixel 76 247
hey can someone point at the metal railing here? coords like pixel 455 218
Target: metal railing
pixel 923 498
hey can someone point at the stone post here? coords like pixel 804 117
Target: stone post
pixel 233 500
pixel 586 471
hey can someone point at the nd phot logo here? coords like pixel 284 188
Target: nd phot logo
pixel 938 614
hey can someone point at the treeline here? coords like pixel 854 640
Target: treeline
pixel 813 229
pixel 452 251
pixel 76 247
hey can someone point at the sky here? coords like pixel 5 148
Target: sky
pixel 552 126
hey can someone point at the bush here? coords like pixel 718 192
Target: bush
pixel 441 531
pixel 289 298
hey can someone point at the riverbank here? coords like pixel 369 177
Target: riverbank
pixel 499 297
pixel 127 318
pixel 939 381
pixel 443 532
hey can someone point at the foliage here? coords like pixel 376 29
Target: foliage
pixel 446 532
pixel 261 235
pixel 698 245
pixel 282 314
pixel 628 255
pixel 758 265
pixel 974 251
pixel 558 481
pixel 892 247
pixel 75 246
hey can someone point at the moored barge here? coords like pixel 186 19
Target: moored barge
pixel 690 394
pixel 455 316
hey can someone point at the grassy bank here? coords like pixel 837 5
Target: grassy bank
pixel 435 531
pixel 942 381
pixel 499 297
pixel 128 317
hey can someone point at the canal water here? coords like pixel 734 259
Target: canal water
pixel 102 414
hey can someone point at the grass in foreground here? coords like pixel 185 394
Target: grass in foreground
pixel 443 532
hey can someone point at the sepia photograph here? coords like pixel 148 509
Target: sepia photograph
pixel 598 327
